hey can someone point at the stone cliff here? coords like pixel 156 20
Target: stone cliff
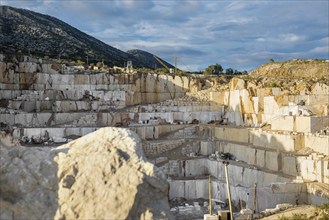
pixel 103 175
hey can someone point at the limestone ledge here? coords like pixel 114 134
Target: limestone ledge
pixel 158 147
pixel 58 95
pixel 139 82
pixel 311 167
pixel 240 174
pixel 145 132
pixel 267 196
pixel 44 119
pixel 282 141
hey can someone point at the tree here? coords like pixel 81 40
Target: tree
pixel 229 71
pixel 99 64
pixel 213 69
pixel 79 62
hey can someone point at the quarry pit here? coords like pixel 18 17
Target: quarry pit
pixel 273 132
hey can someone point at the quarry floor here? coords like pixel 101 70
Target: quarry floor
pixel 310 212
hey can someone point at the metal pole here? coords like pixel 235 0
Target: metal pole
pixel 175 63
pixel 226 163
pixel 255 197
pixel 210 202
pixel 247 206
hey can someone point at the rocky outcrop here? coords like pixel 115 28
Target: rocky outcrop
pixel 103 175
pixel 294 69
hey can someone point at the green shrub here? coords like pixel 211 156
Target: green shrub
pixel 324 213
pixel 274 84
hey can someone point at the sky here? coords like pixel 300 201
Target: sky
pixel 235 34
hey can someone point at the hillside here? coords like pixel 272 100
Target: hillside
pixel 294 68
pixel 148 58
pixel 43 35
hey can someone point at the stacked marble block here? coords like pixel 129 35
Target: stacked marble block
pixel 35 95
pixel 274 151
pixel 255 107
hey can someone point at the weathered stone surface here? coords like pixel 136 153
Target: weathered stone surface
pixel 320 89
pixel 103 175
pixel 28 181
pixel 295 68
pixel 109 169
pixel 318 143
pixel 237 84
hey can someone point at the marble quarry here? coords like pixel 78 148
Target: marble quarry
pixel 276 139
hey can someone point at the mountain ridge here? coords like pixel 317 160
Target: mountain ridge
pixel 145 56
pixel 32 32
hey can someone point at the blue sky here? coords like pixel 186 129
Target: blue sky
pixel 237 34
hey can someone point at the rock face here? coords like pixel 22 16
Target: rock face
pixel 103 175
pixel 28 181
pixel 293 69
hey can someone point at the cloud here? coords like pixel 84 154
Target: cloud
pixel 238 34
pixel 144 28
pixel 290 37
pixel 324 40
pixel 261 39
pixel 320 50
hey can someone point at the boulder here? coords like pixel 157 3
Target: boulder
pixel 103 175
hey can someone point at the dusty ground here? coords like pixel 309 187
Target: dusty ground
pixel 299 212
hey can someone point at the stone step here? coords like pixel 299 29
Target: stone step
pixel 319 189
pixel 79 109
pixel 240 173
pixel 87 120
pixel 267 196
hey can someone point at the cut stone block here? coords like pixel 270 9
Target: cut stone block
pixel 206 148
